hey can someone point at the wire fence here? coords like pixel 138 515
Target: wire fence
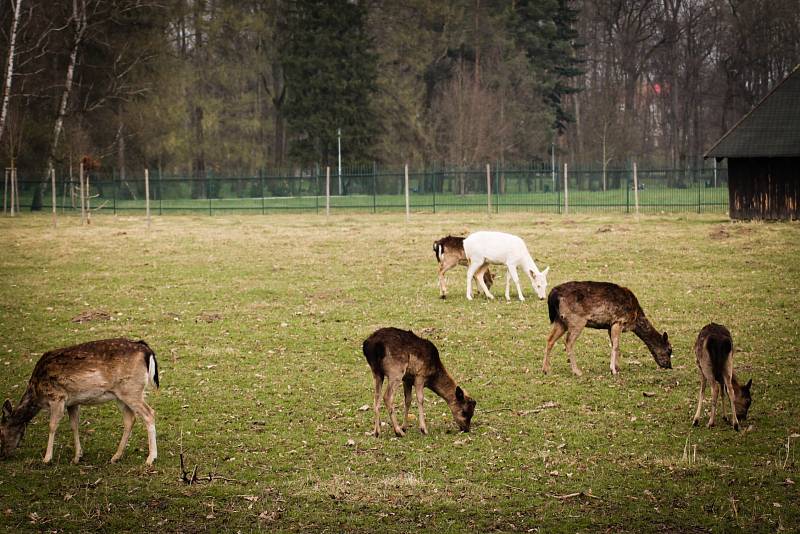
pixel 434 190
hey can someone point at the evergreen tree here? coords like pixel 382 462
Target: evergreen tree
pixel 545 29
pixel 330 73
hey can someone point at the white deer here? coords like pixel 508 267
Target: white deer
pixel 483 248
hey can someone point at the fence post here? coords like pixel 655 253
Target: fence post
pixel 327 191
pixel 53 187
pixel 147 196
pixel 83 197
pixel 636 188
pixel 699 191
pixel 408 214
pixel 566 191
pixel 5 189
pixel 627 194
pixel 374 189
pixel 488 189
pixel 160 192
pixel 261 182
pixel 433 182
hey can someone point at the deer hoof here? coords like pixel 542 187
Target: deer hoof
pixel 399 432
pixel 710 424
pixel 736 426
pixel 696 422
pixel 423 430
pixel 442 297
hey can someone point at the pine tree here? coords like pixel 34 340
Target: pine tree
pixel 546 30
pixel 330 72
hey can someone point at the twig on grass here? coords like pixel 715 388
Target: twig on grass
pixel 572 495
pixel 184 474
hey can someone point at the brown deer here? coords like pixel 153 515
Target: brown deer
pixel 449 253
pixel 602 305
pixel 91 373
pixel 402 356
pixel 714 352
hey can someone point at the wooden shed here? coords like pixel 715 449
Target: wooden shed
pixel 763 152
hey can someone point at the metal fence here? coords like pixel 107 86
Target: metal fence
pixel 435 190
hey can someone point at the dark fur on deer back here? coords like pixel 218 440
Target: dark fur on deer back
pixel 719 345
pixel 600 303
pixel 448 242
pixel 375 346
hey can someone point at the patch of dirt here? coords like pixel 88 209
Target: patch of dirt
pixel 91 315
pixel 719 233
pixel 172 316
pixel 208 317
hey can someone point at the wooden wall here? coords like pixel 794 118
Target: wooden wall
pixel 764 188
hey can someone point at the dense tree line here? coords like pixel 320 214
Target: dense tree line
pixel 233 86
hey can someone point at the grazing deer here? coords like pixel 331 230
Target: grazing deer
pixel 401 356
pixel 91 373
pixel 714 352
pixel 575 305
pixel 449 253
pixel 483 248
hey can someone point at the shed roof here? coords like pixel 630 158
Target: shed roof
pixel 770 129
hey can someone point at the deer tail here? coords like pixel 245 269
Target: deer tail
pixel 552 305
pixel 437 249
pixel 374 351
pixel 718 351
pixel 151 363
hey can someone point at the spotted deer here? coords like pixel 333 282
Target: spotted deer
pixel 449 252
pixel 602 305
pixel 714 352
pixel 90 373
pixel 402 356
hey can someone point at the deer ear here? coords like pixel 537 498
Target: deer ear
pixel 7 409
pixel 546 270
pixel 666 338
pixel 459 394
pixel 749 383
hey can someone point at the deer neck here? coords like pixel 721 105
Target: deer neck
pixel 645 331
pixel 444 386
pixel 26 410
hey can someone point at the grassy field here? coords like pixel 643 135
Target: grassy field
pixel 258 322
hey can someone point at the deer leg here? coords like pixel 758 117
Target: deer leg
pixel 696 420
pixel 480 276
pixel 128 417
pixel 407 398
pixel 388 400
pixel 572 336
pixel 555 333
pixel 729 391
pixel 512 272
pixel 148 416
pixel 56 413
pixel 714 397
pixel 471 270
pixel 444 266
pixel 74 421
pixel 614 332
pixel 376 404
pixel 419 386
pixel 480 281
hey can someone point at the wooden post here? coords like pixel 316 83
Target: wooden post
pixel 408 212
pixel 53 187
pixel 147 195
pixel 566 191
pixel 88 200
pixel 489 188
pixel 635 189
pixel 83 198
pixel 327 191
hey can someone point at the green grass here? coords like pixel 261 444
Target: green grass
pixel 258 322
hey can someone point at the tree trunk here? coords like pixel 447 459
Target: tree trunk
pixel 12 39
pixel 79 18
